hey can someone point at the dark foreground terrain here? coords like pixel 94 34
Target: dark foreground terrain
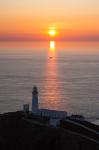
pixel 18 134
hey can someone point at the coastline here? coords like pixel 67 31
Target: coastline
pixel 19 130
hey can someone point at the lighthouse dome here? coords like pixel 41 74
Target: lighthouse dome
pixel 35 90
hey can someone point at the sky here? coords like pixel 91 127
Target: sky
pixel 32 19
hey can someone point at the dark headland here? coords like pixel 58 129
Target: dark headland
pixel 22 131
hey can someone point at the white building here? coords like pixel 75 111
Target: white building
pixel 53 114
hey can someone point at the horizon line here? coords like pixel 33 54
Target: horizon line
pixel 50 39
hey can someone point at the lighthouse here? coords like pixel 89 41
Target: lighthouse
pixel 35 100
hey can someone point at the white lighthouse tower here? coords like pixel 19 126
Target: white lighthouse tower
pixel 35 100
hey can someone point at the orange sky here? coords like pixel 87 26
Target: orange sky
pixel 31 19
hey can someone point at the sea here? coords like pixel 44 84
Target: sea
pixel 66 74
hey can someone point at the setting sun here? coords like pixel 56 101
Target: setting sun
pixel 52 32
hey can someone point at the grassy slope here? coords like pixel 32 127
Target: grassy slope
pixel 17 134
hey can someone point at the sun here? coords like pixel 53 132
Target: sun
pixel 52 32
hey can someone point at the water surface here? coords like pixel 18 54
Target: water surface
pixel 67 76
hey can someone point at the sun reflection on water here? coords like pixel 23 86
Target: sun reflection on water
pixel 52 45
pixel 51 84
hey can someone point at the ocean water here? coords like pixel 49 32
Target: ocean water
pixel 67 76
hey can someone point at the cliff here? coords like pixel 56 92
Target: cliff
pixel 18 134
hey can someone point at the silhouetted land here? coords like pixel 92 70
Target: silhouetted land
pixel 18 134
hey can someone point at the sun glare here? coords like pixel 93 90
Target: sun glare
pixel 52 32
